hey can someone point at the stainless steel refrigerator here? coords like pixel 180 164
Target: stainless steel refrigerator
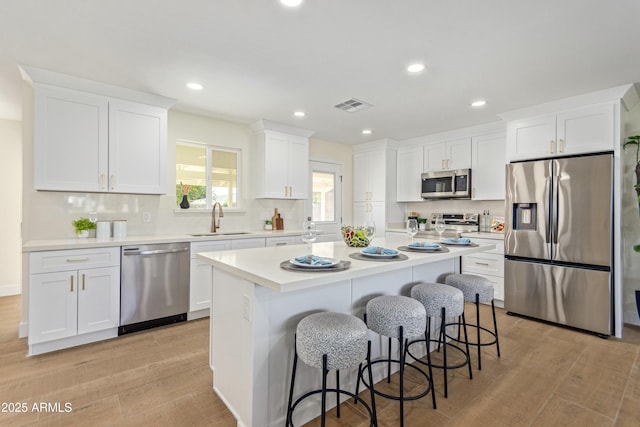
pixel 558 241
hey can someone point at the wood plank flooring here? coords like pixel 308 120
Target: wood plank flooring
pixel 547 376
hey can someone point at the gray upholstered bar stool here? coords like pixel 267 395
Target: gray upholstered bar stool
pixel 399 317
pixel 442 301
pixel 477 289
pixel 331 341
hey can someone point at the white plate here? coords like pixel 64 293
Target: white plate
pixel 379 255
pixel 333 262
pixel 450 242
pixel 422 248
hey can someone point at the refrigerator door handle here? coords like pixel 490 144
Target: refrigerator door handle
pixel 556 212
pixel 547 213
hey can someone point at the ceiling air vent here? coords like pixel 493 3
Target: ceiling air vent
pixel 352 105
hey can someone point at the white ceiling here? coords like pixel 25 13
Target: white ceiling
pixel 259 60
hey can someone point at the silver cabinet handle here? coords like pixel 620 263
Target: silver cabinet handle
pixel 442 164
pixel 482 263
pixel 551 147
pixel 102 181
pixel 71 277
pixel 113 182
pixel 77 259
pixel 561 145
pixel 83 280
pixel 281 243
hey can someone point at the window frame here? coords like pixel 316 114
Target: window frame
pixel 209 148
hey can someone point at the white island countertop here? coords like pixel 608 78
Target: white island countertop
pixel 262 265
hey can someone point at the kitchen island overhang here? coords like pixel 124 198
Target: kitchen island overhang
pixel 256 306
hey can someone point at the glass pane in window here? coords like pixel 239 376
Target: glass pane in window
pixel 191 165
pixel 224 177
pixel 324 196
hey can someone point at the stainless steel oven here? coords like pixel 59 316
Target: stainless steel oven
pixel 451 184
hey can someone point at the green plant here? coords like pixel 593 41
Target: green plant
pixel 82 224
pixel 635 140
pixel 422 220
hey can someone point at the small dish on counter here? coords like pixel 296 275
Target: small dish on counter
pixel 379 252
pixel 424 246
pixel 313 261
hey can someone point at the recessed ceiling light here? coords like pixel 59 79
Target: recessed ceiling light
pixel 291 3
pixel 299 113
pixel 479 103
pixel 415 68
pixel 194 86
pixel 366 131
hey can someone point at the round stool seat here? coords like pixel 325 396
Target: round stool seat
pixel 385 315
pixel 435 296
pixel 342 337
pixel 470 285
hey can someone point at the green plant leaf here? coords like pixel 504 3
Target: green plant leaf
pixel 636 248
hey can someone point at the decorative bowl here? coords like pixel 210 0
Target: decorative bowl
pixel 355 236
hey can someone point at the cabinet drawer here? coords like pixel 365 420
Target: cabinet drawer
pixel 50 261
pixel 483 263
pixel 282 241
pixel 247 243
pixel 209 246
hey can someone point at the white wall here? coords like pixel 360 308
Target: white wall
pixel 11 212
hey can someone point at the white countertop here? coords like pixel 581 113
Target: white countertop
pixel 84 243
pixel 262 265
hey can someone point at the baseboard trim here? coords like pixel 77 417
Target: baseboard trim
pixel 10 290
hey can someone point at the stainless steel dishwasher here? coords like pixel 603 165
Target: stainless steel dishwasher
pixel 154 286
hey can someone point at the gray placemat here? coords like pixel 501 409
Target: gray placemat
pixel 422 251
pixel 473 245
pixel 359 256
pixel 341 266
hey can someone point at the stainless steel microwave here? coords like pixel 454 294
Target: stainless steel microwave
pixel 452 184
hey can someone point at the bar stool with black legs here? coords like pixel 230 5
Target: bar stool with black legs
pixel 399 317
pixel 442 301
pixel 331 341
pixel 477 289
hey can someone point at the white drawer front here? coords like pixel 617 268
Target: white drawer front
pixel 281 241
pixel 50 261
pixel 209 246
pixel 483 263
pixel 499 244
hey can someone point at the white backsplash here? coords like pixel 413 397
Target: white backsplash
pixel 426 208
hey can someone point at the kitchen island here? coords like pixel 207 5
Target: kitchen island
pixel 256 306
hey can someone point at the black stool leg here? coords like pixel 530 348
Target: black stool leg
pixel 389 362
pixel 372 395
pixel 478 330
pixel 325 371
pixel 338 393
pixel 495 327
pixel 293 380
pixel 466 342
pixel 444 350
pixel 402 359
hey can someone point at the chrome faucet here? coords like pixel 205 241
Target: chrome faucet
pixel 214 225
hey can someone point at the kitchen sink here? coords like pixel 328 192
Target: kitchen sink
pixel 232 233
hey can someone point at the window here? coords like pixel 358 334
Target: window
pixel 324 196
pixel 211 172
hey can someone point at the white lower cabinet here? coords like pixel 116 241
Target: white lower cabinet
pixel 489 265
pixel 282 241
pixel 200 279
pixel 73 293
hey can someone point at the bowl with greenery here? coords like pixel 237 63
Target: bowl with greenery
pixel 82 226
pixel 355 236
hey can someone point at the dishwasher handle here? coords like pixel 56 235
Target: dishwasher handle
pixel 156 252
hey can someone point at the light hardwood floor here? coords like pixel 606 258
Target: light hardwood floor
pixel 547 376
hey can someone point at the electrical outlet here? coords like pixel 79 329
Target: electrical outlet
pixel 246 308
pixel 146 216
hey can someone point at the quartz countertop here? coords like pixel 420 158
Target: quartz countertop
pixel 91 242
pixel 262 266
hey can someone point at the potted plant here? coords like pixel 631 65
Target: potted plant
pixel 82 226
pixel 422 224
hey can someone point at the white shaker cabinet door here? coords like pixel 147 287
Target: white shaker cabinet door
pixel 53 306
pixel 531 138
pixel 137 148
pixel 298 167
pixel 586 130
pixel 488 167
pixel 98 299
pixel 408 174
pixel 70 140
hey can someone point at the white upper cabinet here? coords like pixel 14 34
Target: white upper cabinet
pixel 448 155
pixel 583 130
pixel 369 175
pixel 71 140
pixel 137 148
pixel 281 162
pixel 409 170
pixel 488 166
pixel 92 143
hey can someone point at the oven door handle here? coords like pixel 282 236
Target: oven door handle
pixel 157 252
